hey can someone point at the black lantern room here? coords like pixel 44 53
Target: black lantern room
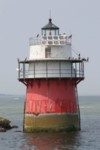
pixel 50 29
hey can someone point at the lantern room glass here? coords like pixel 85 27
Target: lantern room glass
pixel 48 32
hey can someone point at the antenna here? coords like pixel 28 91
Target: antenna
pixel 50 14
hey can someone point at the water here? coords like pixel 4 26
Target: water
pixel 88 138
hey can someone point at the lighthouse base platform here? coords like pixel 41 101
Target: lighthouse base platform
pixel 51 122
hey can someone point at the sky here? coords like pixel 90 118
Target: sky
pixel 22 19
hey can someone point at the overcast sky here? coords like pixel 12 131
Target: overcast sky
pixel 21 19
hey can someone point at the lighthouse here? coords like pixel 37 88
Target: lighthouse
pixel 51 75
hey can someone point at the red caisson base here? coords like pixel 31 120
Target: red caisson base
pixel 51 105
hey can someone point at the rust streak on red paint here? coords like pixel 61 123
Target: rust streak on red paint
pixel 53 96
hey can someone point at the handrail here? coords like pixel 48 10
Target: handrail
pixel 51 73
pixel 50 40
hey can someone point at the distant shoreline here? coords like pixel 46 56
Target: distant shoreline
pixel 24 95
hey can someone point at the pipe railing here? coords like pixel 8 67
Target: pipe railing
pixel 50 73
pixel 50 40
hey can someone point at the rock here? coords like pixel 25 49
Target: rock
pixel 4 124
pixel 2 129
pixel 14 126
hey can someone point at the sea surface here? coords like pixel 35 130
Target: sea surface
pixel 88 138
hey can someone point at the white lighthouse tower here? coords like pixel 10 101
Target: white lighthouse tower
pixel 51 75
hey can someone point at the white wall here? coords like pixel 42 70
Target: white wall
pixel 49 69
pixel 61 51
pixel 38 51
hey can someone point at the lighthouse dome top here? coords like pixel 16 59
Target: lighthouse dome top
pixel 50 25
pixel 50 29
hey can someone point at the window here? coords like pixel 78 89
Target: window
pixel 48 52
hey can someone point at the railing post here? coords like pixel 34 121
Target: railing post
pixel 76 70
pixel 83 68
pixel 79 69
pixel 71 69
pixel 59 69
pixel 46 69
pixel 34 69
pixel 18 69
pixel 24 70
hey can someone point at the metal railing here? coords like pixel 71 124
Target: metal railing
pixel 51 73
pixel 50 40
